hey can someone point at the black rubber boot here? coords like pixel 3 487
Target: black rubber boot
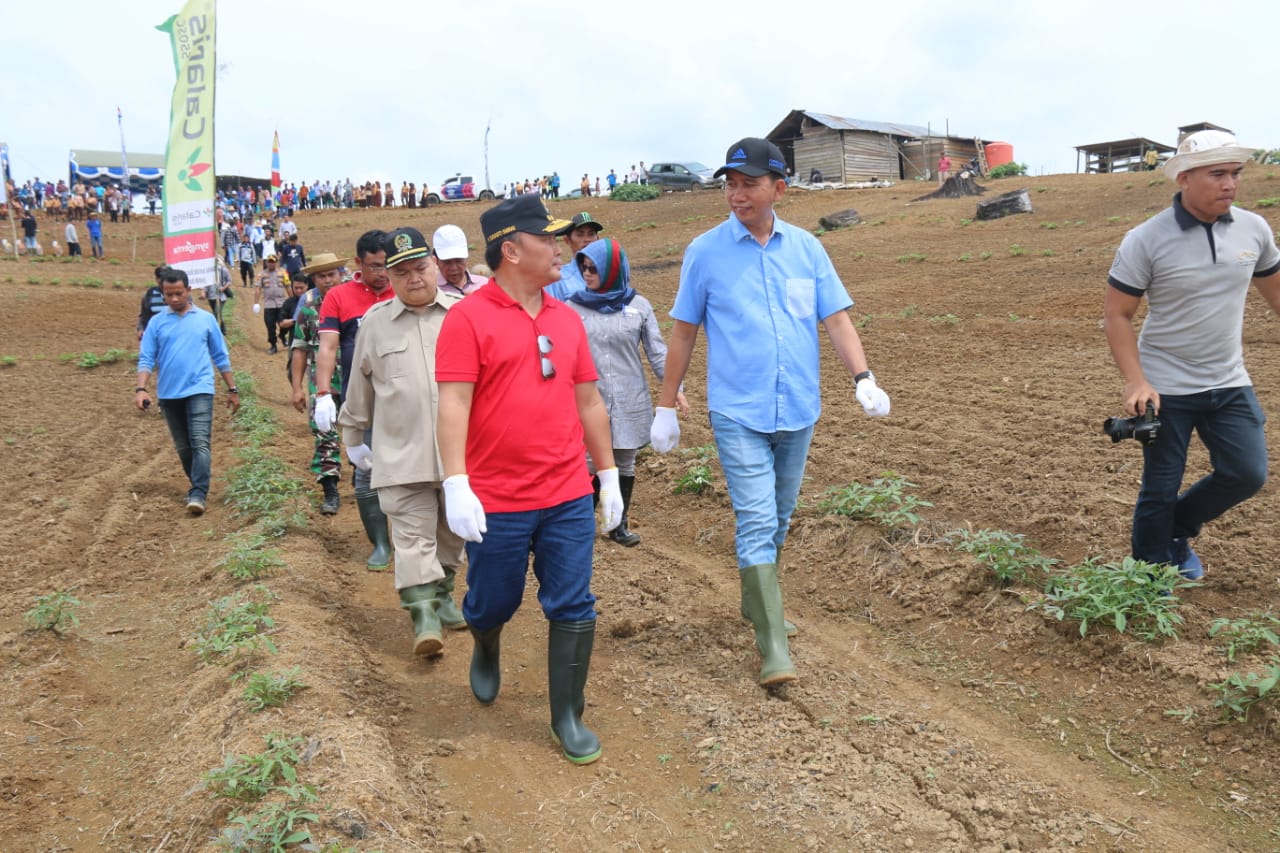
pixel 762 602
pixel 486 672
pixel 568 659
pixel 621 534
pixel 331 498
pixel 375 527
pixel 420 602
pixel 450 616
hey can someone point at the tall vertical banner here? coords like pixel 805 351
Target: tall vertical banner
pixel 275 164
pixel 190 238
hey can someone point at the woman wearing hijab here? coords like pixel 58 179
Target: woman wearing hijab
pixel 619 322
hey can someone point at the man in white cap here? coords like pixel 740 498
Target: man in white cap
pixel 451 252
pixel 1194 262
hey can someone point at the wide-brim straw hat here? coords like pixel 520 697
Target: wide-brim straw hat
pixel 324 262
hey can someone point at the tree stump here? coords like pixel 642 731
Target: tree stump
pixel 840 219
pixel 1006 204
pixel 955 187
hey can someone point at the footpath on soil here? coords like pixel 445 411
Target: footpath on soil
pixel 935 711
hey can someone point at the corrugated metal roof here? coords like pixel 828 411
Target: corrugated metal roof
pixel 888 127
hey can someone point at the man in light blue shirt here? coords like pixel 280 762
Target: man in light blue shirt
pixel 184 344
pixel 761 288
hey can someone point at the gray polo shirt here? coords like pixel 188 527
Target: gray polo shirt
pixel 1195 276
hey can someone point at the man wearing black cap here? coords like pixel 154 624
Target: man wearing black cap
pixel 392 392
pixel 761 287
pixel 581 231
pixel 511 363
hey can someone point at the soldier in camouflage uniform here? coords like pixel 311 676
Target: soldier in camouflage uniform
pixel 325 271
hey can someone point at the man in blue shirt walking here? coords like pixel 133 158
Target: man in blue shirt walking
pixel 184 344
pixel 761 287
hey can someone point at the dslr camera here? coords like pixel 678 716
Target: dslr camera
pixel 1145 427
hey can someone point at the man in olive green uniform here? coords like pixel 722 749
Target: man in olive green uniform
pixel 325 271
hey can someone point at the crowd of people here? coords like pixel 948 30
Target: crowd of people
pixel 424 369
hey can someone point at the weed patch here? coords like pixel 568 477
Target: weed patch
pixel 54 612
pixel 1132 596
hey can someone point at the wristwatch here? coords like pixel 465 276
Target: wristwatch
pixel 234 390
pixel 141 388
pixel 866 374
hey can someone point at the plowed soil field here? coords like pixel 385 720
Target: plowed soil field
pixel 935 709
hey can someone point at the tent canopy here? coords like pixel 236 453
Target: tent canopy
pixel 98 166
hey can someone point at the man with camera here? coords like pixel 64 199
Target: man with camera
pixel 1194 263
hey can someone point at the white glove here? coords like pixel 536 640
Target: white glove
pixel 257 309
pixel 326 413
pixel 361 457
pixel 664 435
pixel 874 401
pixel 610 499
pixel 463 509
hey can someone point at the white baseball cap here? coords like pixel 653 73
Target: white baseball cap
pixel 450 243
pixel 1206 148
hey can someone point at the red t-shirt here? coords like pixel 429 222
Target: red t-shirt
pixel 342 310
pixel 524 438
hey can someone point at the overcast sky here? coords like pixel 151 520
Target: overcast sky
pixel 403 91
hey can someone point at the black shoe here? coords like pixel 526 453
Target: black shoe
pixel 331 499
pixel 623 536
pixel 272 351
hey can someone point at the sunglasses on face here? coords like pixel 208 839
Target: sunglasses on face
pixel 544 349
pixel 589 267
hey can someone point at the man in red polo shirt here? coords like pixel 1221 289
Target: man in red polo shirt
pixel 518 401
pixel 340 316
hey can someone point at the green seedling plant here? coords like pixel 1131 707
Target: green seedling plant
pixel 1006 554
pixel 54 612
pixel 1239 693
pixel 237 626
pixel 1048 253
pixel 88 360
pixel 1243 636
pixel 945 319
pixel 252 777
pixel 1269 202
pixel 8 360
pixel 886 501
pixel 264 487
pixel 984 255
pixel 1016 251
pixel 1132 596
pixel 277 827
pixel 965 258
pixel 111 356
pixel 250 559
pixel 695 481
pixel 264 690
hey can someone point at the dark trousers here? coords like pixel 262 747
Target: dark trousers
pixel 190 421
pixel 1230 423
pixel 271 317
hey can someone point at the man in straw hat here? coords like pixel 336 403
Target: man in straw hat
pixel 325 272
pixel 392 392
pixel 340 317
pixel 510 362
pixel 1194 262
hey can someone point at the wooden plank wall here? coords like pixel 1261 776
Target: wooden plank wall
pixel 869 156
pixel 819 149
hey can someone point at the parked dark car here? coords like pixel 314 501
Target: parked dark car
pixel 688 175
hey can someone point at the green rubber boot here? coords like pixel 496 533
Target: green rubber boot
pixel 420 602
pixel 450 616
pixel 568 659
pixel 762 602
pixel 486 674
pixel 375 527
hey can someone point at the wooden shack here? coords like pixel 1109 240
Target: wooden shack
pixel 847 150
pixel 1120 155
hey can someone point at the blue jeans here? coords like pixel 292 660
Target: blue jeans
pixel 1230 423
pixel 190 421
pixel 561 539
pixel 763 471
